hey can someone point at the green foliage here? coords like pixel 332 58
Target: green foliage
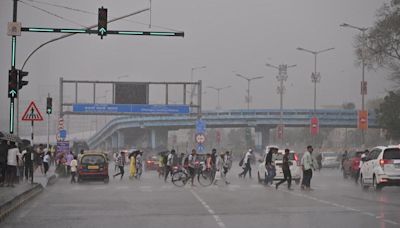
pixel 382 41
pixel 389 115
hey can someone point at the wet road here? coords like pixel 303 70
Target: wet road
pixel 244 203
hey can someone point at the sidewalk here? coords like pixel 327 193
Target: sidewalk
pixel 12 198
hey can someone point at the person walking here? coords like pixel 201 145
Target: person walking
pixel 29 158
pixel 170 163
pixel 307 163
pixel 221 169
pixel 139 164
pixel 246 164
pixel 121 164
pixel 192 165
pixel 12 163
pixel 74 169
pixel 287 176
pixel 39 158
pixel 70 157
pixel 46 162
pixel 80 156
pixel 270 165
pixel 132 165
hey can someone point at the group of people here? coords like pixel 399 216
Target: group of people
pixel 308 165
pixel 217 165
pixel 135 164
pixel 19 160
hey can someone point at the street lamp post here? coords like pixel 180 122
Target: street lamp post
pixel 191 80
pixel 248 86
pixel 218 89
pixel 363 84
pixel 315 77
pixel 281 77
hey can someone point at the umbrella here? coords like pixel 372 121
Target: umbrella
pixel 10 137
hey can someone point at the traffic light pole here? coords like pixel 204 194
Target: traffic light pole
pixel 48 125
pixel 13 53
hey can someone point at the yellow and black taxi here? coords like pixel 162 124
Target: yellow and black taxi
pixel 93 166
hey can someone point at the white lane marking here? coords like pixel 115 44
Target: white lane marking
pixel 342 206
pixel 211 211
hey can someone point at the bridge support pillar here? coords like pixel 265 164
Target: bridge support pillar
pixel 265 135
pixel 158 137
pixel 121 140
pixel 114 142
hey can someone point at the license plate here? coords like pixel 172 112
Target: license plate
pixel 93 167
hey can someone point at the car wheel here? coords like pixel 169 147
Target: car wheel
pixel 362 184
pixel 377 187
pixel 259 178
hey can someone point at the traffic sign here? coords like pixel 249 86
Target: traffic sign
pixel 131 108
pixel 363 120
pixel 200 148
pixel 200 126
pixel 32 113
pixel 200 138
pixel 314 126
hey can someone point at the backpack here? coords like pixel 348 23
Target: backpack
pixel 241 161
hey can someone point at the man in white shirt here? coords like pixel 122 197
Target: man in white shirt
pixel 307 163
pixel 170 163
pixel 12 163
pixel 246 164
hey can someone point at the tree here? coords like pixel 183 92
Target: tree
pixel 382 41
pixel 348 106
pixel 388 115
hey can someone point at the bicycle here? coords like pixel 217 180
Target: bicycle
pixel 180 176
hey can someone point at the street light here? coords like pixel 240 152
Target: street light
pixel 315 77
pixel 218 89
pixel 281 77
pixel 363 83
pixel 191 80
pixel 248 86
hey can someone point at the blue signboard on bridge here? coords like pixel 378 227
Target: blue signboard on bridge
pixel 131 108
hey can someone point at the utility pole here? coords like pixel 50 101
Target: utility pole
pixel 218 94
pixel 281 77
pixel 248 99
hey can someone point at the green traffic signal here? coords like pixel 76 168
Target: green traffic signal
pixel 49 105
pixel 12 83
pixel 102 22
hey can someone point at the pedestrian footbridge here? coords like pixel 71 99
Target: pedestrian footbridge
pixel 156 127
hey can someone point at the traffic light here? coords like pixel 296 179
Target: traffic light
pixel 49 105
pixel 12 83
pixel 21 82
pixel 102 22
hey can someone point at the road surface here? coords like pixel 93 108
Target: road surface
pixel 151 203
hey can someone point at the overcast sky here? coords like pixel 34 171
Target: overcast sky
pixel 224 35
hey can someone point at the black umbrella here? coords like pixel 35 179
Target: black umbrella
pixel 10 137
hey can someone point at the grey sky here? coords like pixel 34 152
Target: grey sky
pixel 224 35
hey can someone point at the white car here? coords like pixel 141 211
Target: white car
pixel 381 168
pixel 295 167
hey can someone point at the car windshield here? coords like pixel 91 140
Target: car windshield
pixel 280 156
pixel 93 160
pixel 392 153
pixel 329 154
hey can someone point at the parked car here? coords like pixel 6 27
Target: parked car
pixel 330 160
pixel 295 167
pixel 351 164
pixel 93 166
pixel 381 168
